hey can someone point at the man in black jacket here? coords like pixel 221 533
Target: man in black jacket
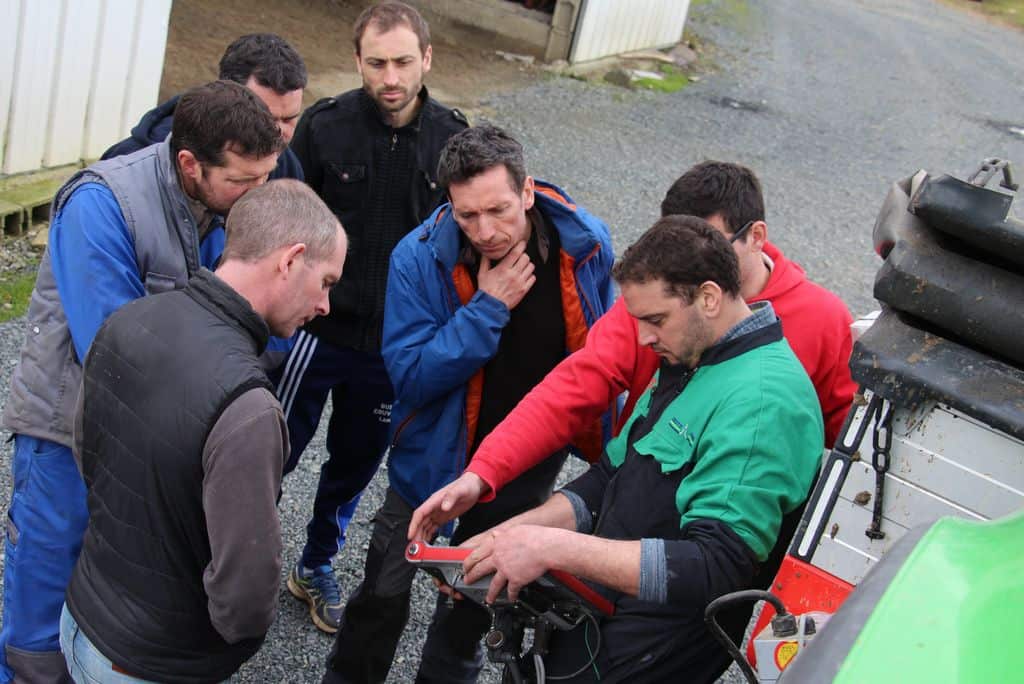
pixel 181 443
pixel 371 154
pixel 264 63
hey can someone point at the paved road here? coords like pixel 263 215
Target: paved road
pixel 828 101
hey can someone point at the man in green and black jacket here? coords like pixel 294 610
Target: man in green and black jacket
pixel 688 500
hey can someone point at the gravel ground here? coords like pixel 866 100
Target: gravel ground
pixel 828 101
pixel 18 256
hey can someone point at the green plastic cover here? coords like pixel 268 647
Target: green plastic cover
pixel 953 613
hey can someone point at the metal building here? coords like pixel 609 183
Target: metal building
pixel 75 75
pixel 611 27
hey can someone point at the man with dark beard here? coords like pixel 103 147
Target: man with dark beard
pixel 687 501
pixel 371 154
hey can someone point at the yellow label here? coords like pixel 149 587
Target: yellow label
pixel 784 653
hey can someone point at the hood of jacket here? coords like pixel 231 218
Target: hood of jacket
pixel 785 276
pixel 155 125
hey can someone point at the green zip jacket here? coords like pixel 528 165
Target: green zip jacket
pixel 703 472
pixel 747 431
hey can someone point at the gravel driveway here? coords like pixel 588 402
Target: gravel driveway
pixel 829 101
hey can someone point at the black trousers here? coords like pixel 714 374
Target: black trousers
pixel 378 610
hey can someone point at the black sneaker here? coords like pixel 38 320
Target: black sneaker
pixel 321 592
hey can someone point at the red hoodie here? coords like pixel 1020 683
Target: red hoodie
pixel 815 322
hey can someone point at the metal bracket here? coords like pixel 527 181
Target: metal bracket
pixel 989 168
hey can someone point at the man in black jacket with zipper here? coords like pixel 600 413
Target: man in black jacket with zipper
pixel 371 154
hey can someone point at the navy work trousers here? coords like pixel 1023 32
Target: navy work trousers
pixel 356 434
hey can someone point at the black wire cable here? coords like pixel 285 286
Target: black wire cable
pixel 593 656
pixel 737 596
pixel 512 668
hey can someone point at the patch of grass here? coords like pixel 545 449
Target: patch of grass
pixel 15 289
pixel 735 7
pixel 674 80
pixel 1006 11
pixel 729 12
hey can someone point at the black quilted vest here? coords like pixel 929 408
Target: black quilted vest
pixel 158 375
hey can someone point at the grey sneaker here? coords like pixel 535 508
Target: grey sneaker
pixel 321 592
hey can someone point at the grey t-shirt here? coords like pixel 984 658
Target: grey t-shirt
pixel 242 462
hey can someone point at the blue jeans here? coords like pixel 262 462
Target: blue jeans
pixel 85 663
pixel 356 435
pixel 45 523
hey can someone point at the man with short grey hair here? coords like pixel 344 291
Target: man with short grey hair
pixel 282 212
pixel 181 443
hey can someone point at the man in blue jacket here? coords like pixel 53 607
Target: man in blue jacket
pixel 483 299
pixel 265 64
pixel 122 229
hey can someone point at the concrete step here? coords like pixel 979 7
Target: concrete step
pixel 26 208
pixel 12 217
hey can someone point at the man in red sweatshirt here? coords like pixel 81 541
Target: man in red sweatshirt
pixel 815 322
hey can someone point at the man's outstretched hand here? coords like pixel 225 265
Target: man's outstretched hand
pixel 445 505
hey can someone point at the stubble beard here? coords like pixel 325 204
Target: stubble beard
pixel 392 109
pixel 204 193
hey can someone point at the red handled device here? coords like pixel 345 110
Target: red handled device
pixel 554 587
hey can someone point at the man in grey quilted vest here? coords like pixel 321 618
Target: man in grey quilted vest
pixel 123 228
pixel 181 443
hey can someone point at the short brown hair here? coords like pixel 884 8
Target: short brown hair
pixel 682 251
pixel 476 150
pixel 279 214
pixel 224 115
pixel 388 15
pixel 268 58
pixel 714 187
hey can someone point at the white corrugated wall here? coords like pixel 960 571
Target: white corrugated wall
pixel 611 27
pixel 75 76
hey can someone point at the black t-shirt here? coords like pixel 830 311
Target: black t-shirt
pixel 533 341
pixel 531 344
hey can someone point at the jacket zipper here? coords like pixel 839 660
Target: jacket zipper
pixel 464 430
pixel 583 295
pixel 683 383
pixel 401 426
